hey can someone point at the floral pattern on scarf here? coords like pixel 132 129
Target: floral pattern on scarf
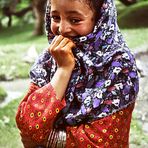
pixel 105 78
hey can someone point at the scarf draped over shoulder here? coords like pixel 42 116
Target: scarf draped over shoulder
pixel 105 78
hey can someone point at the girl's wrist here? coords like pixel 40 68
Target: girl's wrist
pixel 60 81
pixel 66 70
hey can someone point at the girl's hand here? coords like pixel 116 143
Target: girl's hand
pixel 61 50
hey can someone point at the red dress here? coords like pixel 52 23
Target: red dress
pixel 38 109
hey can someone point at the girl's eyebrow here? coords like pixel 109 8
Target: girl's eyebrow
pixel 74 12
pixel 68 12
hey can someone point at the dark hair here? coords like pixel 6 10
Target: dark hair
pixel 96 6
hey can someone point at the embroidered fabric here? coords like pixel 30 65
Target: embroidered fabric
pixel 105 78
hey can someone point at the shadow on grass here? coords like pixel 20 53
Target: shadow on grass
pixel 135 16
pixel 20 33
pixel 17 29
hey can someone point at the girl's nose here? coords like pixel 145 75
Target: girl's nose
pixel 64 28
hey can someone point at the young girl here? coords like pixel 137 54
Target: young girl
pixel 83 87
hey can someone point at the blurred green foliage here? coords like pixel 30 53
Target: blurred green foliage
pixel 3 94
pixel 4 3
pixel 21 4
pixel 135 16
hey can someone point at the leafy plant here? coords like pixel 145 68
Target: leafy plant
pixel 3 94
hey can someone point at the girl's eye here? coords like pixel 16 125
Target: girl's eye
pixel 75 21
pixel 55 18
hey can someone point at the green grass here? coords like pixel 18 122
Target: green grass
pixel 135 37
pixel 137 136
pixel 20 34
pixel 9 134
pixel 14 44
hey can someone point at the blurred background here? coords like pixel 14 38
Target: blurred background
pixel 22 38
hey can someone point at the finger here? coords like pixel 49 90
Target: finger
pixel 57 41
pixel 52 43
pixel 63 42
pixel 54 39
pixel 70 45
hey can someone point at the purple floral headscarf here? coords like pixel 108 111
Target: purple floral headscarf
pixel 105 78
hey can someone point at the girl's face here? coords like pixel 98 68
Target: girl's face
pixel 71 18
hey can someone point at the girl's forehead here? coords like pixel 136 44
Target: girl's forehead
pixel 71 1
pixel 69 4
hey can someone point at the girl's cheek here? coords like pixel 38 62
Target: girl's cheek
pixel 82 31
pixel 54 28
